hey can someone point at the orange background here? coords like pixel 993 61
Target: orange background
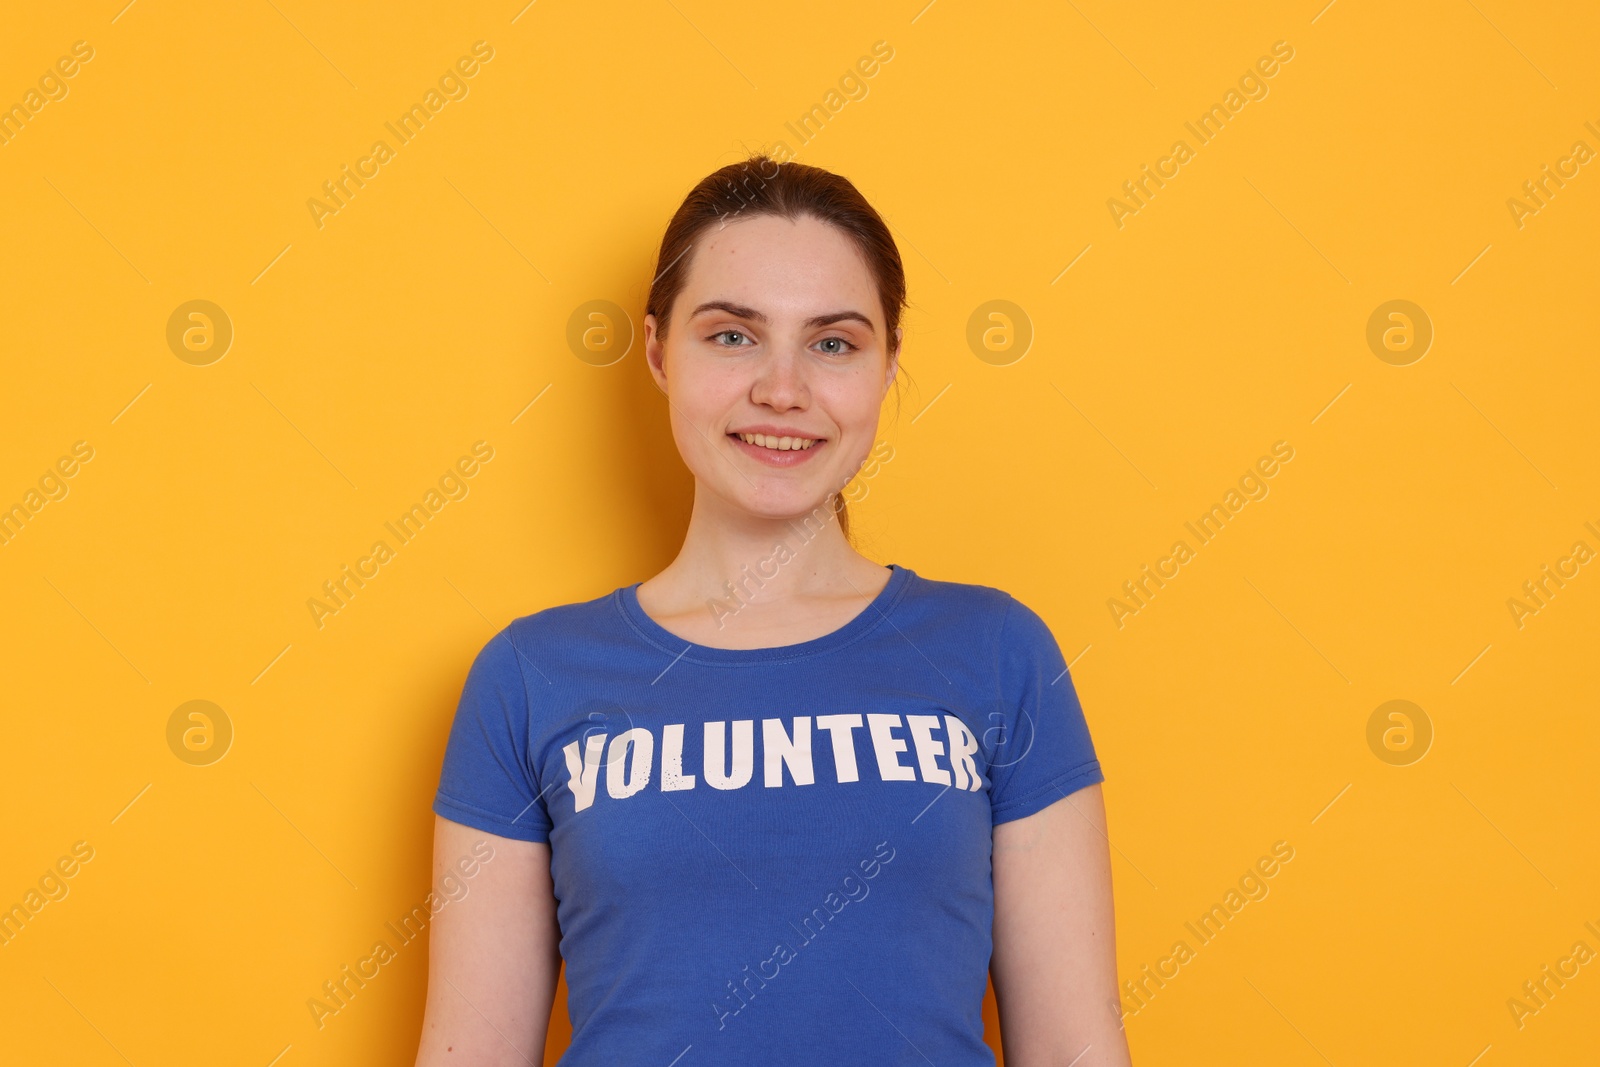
pixel 1230 312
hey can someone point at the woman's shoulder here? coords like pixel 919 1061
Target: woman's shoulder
pixel 1009 617
pixel 571 621
pixel 978 610
pixel 971 596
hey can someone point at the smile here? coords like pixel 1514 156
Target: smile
pixel 777 451
pixel 782 444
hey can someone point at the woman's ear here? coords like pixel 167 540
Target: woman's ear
pixel 655 353
pixel 893 367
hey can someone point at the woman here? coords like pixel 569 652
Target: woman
pixel 777 804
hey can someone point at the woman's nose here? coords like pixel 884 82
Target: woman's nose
pixel 781 380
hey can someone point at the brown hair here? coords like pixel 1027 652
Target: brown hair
pixel 761 185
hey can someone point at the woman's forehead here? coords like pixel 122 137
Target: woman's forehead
pixel 782 268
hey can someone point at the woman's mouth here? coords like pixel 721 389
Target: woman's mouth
pixel 777 451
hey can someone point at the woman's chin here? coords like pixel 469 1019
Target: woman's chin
pixel 807 508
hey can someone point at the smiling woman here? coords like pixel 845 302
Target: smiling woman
pixel 802 216
pixel 611 745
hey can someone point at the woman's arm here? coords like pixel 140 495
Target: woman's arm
pixel 1055 962
pixel 493 955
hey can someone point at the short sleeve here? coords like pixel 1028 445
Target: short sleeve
pixel 487 781
pixel 1038 748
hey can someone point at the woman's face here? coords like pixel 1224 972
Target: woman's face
pixel 778 332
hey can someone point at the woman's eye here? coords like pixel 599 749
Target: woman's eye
pixel 843 346
pixel 730 333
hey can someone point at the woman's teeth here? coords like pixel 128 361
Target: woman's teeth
pixel 782 444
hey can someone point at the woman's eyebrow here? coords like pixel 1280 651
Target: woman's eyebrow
pixel 839 316
pixel 738 311
pixel 743 312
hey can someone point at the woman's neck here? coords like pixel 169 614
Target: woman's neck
pixel 749 581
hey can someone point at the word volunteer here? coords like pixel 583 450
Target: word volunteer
pixel 629 760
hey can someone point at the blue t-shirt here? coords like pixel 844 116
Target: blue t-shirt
pixel 777 855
